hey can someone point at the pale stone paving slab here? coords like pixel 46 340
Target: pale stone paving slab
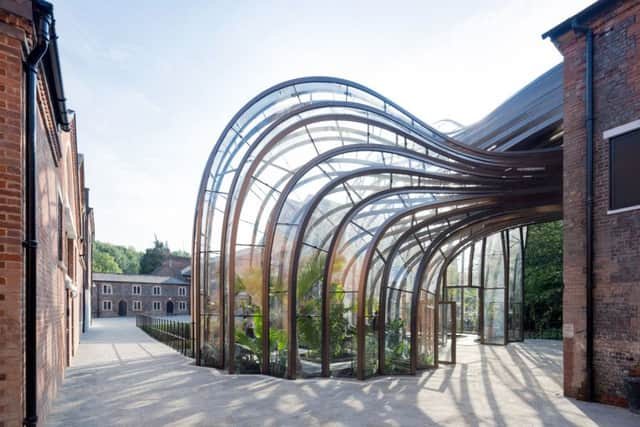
pixel 123 377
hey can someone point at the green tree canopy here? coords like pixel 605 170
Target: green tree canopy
pixel 154 256
pixel 127 259
pixel 103 262
pixel 543 277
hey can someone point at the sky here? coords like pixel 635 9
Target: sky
pixel 153 83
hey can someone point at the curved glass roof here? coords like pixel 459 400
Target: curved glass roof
pixel 328 217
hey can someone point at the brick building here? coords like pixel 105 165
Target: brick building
pixel 46 225
pixel 602 295
pixel 132 294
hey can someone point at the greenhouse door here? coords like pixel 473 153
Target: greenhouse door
pixel 447 332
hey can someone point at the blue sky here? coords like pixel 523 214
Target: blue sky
pixel 154 82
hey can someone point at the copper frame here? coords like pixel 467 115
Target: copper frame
pixel 507 178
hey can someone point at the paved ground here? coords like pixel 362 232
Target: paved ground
pixel 121 377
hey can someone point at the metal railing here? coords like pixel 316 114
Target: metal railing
pixel 173 333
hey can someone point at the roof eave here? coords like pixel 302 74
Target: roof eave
pixel 584 15
pixel 51 64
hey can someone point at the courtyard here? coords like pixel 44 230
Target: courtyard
pixel 120 376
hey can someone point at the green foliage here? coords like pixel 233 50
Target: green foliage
pixel 105 255
pixel 396 346
pixel 103 262
pixel 181 253
pixel 154 256
pixel 310 306
pixel 341 333
pixel 543 277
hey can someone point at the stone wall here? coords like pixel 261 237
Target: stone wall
pixel 123 292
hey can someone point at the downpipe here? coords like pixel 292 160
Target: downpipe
pixel 43 23
pixel 588 33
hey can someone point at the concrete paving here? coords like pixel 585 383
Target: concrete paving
pixel 122 377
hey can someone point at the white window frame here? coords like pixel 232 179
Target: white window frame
pixel 136 305
pixel 182 306
pixel 133 289
pixel 106 286
pixel 182 291
pixel 609 134
pixel 159 305
pixel 159 289
pixel 104 304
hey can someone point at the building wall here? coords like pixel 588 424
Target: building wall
pixel 13 31
pixel 616 236
pixel 57 178
pixel 123 292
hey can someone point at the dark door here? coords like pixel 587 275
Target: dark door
pixel 122 308
pixel 169 307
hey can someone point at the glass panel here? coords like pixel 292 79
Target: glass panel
pixel 494 316
pixel 516 301
pixel 476 264
pixel 397 332
pixel 426 330
pixel 279 301
pixel 309 310
pixel 447 332
pixel 470 311
pixel 494 291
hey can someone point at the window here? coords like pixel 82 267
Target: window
pixel 136 290
pixel 182 306
pixel 182 291
pixel 106 305
pixel 60 232
pixel 157 306
pixel 624 156
pixel 137 306
pixel 70 258
pixel 157 291
pixel 107 289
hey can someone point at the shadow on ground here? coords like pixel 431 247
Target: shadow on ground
pixel 144 383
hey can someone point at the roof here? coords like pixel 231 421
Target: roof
pixel 51 65
pixel 137 278
pixel 172 265
pixel 580 17
pixel 532 118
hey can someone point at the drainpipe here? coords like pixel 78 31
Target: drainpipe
pixel 588 33
pixel 43 20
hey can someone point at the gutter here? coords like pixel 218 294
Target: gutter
pixel 588 33
pixel 43 21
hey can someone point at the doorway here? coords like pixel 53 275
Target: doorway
pixel 169 307
pixel 122 308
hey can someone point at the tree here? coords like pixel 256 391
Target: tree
pixel 154 256
pixel 543 277
pixel 103 262
pixel 128 259
pixel 181 253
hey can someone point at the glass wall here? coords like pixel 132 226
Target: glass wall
pixel 331 226
pixel 494 290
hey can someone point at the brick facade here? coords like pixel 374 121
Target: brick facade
pixel 616 244
pixel 59 183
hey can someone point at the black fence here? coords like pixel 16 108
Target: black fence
pixel 173 333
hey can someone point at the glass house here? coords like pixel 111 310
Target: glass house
pixel 336 234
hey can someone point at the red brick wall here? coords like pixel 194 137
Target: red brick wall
pixel 57 177
pixel 616 236
pixel 11 220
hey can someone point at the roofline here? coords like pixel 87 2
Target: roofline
pixel 138 275
pixel 51 64
pixel 579 17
